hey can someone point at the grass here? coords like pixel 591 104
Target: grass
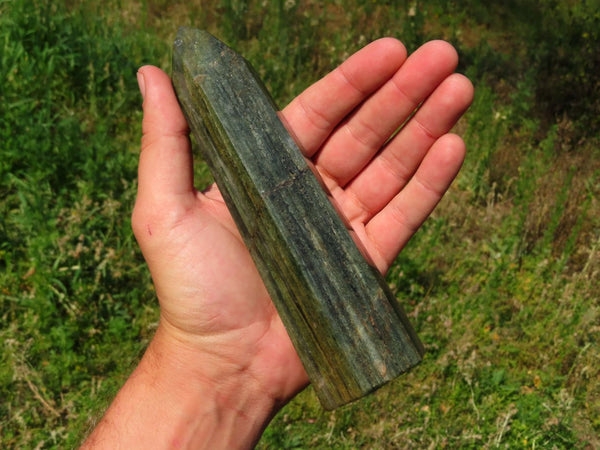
pixel 502 282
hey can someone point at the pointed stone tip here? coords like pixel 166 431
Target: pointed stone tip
pixel 189 48
pixel 196 51
pixel 187 33
pixel 195 39
pixel 194 48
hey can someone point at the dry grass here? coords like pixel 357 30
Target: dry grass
pixel 502 282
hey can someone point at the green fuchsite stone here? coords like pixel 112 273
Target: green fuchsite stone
pixel 346 325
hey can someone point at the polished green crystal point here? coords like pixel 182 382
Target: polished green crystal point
pixel 346 325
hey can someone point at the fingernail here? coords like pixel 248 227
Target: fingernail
pixel 142 84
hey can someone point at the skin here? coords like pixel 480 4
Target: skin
pixel 221 363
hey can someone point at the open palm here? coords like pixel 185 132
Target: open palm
pixel 212 299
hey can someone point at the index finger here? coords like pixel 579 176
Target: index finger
pixel 312 116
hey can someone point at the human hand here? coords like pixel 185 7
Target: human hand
pixel 210 293
pixel 218 326
pixel 385 184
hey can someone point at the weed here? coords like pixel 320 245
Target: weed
pixel 502 281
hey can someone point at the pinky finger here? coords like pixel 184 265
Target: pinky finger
pixel 390 230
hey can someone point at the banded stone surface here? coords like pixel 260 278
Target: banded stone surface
pixel 346 325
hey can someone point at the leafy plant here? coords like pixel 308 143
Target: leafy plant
pixel 502 281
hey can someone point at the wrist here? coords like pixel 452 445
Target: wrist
pixel 215 403
pixel 179 397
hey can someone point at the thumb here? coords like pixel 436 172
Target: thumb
pixel 165 161
pixel 165 173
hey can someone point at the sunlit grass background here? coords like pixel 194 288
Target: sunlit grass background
pixel 502 283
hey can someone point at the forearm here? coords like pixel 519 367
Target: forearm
pixel 169 403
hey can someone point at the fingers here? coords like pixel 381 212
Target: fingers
pixel 394 225
pixel 391 169
pixel 318 110
pixel 165 177
pixel 362 134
